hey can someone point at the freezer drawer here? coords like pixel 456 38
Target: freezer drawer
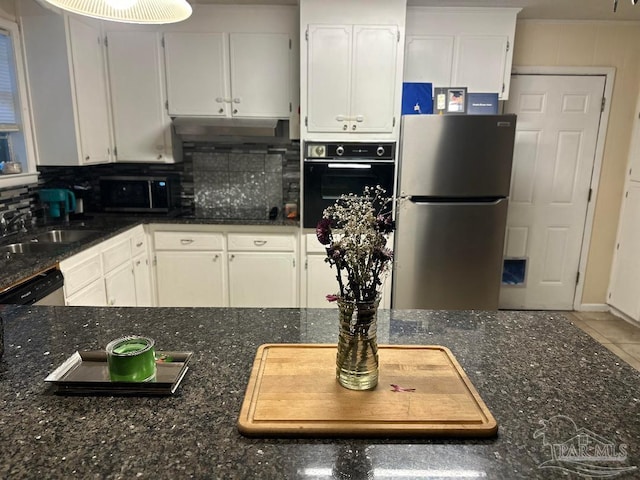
pixel 456 155
pixel 449 255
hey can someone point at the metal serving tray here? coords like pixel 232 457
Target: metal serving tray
pixel 86 373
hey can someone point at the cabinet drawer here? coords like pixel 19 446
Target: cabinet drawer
pixel 188 241
pixel 253 242
pixel 82 274
pixel 116 255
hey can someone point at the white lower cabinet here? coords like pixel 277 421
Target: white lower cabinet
pixel 262 279
pixel 106 274
pixel 142 278
pixel 320 277
pixel 321 281
pixel 213 267
pixel 190 279
pixel 120 286
pixel 190 270
pixel 93 295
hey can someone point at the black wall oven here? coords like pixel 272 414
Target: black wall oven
pixel 334 169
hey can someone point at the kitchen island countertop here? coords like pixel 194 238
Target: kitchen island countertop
pixel 527 366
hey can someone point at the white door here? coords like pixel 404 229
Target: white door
pixel 259 75
pixel 373 78
pixel 91 91
pixel 197 73
pixel 262 279
pixel 190 279
pixel 136 77
pixel 557 128
pixel 623 292
pixel 329 77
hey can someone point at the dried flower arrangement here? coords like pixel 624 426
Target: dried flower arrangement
pixel 358 251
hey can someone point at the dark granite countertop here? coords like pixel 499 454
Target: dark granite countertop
pixel 527 366
pixel 15 267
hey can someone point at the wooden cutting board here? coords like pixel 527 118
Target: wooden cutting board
pixel 293 391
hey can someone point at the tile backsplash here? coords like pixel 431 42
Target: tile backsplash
pixel 17 199
pixel 229 182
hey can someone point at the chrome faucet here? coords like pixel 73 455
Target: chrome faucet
pixel 17 223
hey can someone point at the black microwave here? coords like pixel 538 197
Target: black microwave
pixel 159 194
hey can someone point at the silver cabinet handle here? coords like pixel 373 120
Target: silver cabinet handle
pixel 359 118
pixel 344 127
pixel 186 241
pixel 138 262
pixel 259 243
pixel 139 244
pixel 237 100
pixel 235 110
pixel 353 127
pixel 221 110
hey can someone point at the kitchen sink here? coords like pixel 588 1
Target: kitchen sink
pixel 28 247
pixel 63 236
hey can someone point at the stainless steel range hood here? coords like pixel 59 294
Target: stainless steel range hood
pixel 237 130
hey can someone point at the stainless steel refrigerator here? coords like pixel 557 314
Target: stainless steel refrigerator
pixel 454 178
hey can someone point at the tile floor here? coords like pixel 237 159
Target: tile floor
pixel 616 334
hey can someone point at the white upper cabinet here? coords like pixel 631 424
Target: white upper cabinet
pixel 351 58
pixel 260 73
pixel 228 75
pixel 142 127
pixel 461 47
pixel 351 78
pixel 429 56
pixel 197 76
pixel 66 74
pixel 88 64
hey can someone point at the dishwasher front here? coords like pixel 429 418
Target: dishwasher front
pixel 45 288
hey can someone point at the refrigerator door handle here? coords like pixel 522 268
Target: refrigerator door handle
pixel 470 202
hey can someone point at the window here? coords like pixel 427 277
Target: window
pixel 15 127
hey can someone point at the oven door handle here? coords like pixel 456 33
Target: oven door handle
pixel 353 166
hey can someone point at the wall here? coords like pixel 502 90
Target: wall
pixel 8 9
pixel 616 44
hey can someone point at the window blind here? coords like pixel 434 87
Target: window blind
pixel 8 89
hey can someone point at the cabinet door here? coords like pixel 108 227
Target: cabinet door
pixel 190 279
pixel 259 75
pixel 197 73
pixel 329 77
pixel 141 124
pixel 92 295
pixel 321 281
pixel 374 78
pixel 480 63
pixel 262 280
pixel 142 278
pixel 87 58
pixel 625 278
pixel 121 287
pixel 429 58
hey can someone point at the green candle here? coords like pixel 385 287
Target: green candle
pixel 131 359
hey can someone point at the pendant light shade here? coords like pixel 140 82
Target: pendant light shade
pixel 128 11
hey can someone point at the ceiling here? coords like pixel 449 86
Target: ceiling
pixel 538 9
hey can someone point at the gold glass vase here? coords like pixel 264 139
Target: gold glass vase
pixel 357 359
